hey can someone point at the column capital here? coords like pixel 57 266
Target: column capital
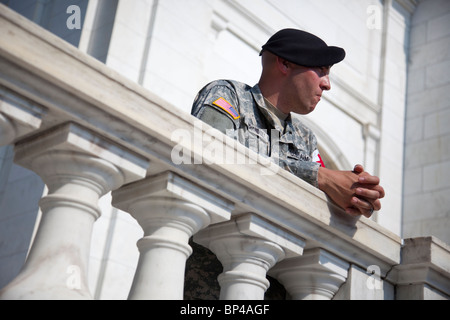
pixel 252 225
pixel 316 275
pixel 247 246
pixel 169 185
pixel 70 139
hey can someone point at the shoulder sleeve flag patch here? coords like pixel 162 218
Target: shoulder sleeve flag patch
pixel 227 107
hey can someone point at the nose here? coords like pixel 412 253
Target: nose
pixel 325 83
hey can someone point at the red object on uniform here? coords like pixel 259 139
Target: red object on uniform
pixel 317 158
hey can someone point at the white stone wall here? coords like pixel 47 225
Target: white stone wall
pixel 427 152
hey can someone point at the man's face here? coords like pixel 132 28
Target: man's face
pixel 305 86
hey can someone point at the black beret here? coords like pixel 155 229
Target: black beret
pixel 303 48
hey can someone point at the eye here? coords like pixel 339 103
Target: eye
pixel 323 71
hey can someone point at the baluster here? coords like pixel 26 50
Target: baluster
pixel 78 167
pixel 170 209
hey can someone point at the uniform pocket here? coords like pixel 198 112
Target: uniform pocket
pixel 258 140
pixel 298 154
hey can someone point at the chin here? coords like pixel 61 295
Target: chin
pixel 312 109
pixel 305 110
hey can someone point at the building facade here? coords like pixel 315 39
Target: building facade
pixel 387 110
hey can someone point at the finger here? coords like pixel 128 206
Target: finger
pixel 362 205
pixel 368 193
pixel 368 213
pixel 356 213
pixel 376 205
pixel 380 190
pixel 374 187
pixel 368 179
pixel 353 211
pixel 358 169
pixel 365 208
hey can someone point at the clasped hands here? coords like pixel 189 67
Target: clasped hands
pixel 357 192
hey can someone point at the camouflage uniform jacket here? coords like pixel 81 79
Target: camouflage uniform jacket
pixel 240 111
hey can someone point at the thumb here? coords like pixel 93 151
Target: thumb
pixel 358 169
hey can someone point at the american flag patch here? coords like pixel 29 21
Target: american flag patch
pixel 227 107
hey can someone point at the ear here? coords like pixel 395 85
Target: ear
pixel 283 65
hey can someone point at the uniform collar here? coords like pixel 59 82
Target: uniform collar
pixel 276 118
pixel 258 96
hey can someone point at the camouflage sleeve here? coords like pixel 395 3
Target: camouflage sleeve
pixel 305 170
pixel 217 105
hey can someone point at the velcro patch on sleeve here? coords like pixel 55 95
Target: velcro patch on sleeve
pixel 227 107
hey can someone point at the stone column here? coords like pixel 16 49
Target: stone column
pixel 247 247
pixel 317 275
pixel 78 167
pixel 170 209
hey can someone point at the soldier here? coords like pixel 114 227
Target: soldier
pixel 296 67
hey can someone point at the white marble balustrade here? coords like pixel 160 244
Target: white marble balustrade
pixel 86 130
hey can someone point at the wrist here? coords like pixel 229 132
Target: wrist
pixel 323 178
